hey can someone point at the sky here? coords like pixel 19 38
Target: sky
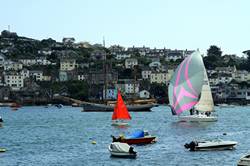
pixel 174 24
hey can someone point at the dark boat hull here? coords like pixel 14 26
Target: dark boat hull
pixel 91 107
pixel 139 141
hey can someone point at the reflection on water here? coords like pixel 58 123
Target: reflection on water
pixel 183 124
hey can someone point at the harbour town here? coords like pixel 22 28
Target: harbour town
pixel 36 72
pixel 115 83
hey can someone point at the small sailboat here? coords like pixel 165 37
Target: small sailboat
pixel 120 112
pixel 189 90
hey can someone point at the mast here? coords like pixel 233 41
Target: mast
pixel 105 71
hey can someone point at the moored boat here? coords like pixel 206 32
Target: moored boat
pixel 122 150
pixel 138 137
pixel 244 160
pixel 94 107
pixel 210 145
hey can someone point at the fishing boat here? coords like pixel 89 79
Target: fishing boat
pixel 210 145
pixel 244 160
pixel 189 90
pixel 120 112
pixel 123 150
pixel 139 137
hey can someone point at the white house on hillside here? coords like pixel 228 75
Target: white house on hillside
pixel 130 63
pixel 14 80
pixel 2 60
pixel 10 65
pixel 159 77
pixel 67 64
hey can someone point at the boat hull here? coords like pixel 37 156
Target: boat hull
pixel 120 124
pixel 139 141
pixel 91 107
pixel 198 118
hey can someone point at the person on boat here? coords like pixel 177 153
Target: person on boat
pixel 192 111
pixel 207 113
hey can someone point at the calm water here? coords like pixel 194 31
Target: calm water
pixel 50 137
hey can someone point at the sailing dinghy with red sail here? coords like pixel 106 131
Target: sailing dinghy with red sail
pixel 120 112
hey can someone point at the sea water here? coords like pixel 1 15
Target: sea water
pixel 40 136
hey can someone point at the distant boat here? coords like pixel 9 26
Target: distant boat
pixel 59 105
pixel 1 119
pixel 189 90
pixel 120 112
pixel 137 107
pixel 224 105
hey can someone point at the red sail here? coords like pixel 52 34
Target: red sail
pixel 120 110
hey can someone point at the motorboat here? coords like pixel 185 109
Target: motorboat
pixel 210 145
pixel 123 150
pixel 244 160
pixel 1 119
pixel 198 118
pixel 138 138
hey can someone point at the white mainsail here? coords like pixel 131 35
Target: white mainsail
pixel 206 103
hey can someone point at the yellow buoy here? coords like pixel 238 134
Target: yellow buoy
pixel 93 142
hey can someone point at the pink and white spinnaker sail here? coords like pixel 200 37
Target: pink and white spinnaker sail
pixel 186 84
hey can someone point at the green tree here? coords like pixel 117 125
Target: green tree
pixel 214 51
pixel 213 58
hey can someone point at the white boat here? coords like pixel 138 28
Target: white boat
pixel 244 160
pixel 118 149
pixel 189 90
pixel 210 145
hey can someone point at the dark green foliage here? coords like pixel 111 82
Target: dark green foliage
pixel 158 90
pixel 74 89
